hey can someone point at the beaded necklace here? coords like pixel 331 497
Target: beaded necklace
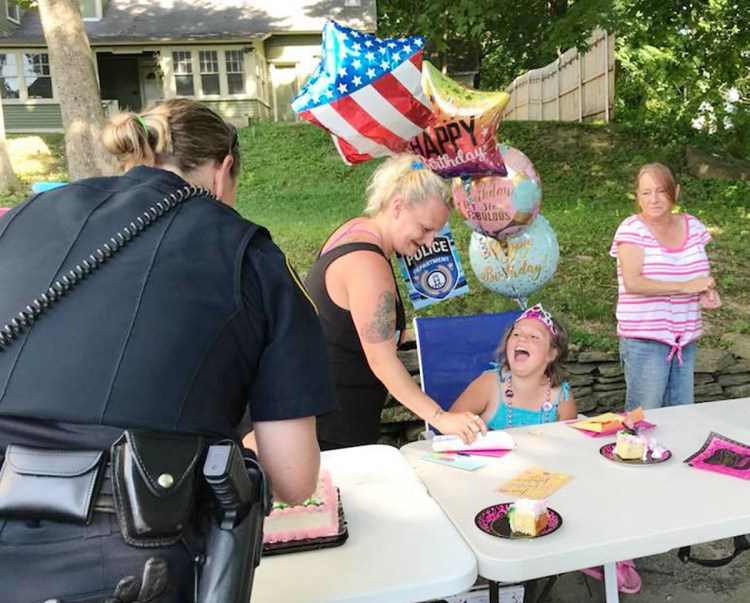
pixel 546 407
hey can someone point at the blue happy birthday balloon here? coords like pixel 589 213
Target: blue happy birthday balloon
pixel 518 265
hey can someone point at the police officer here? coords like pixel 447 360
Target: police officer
pixel 195 320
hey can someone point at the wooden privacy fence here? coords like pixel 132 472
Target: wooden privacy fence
pixel 575 87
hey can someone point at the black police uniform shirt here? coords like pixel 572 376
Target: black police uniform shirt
pixel 192 321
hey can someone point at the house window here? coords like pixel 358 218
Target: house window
pixel 235 71
pixel 13 12
pixel 183 72
pixel 8 76
pixel 37 75
pixel 209 62
pixel 90 10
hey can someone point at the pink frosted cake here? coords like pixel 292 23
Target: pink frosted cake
pixel 528 516
pixel 316 517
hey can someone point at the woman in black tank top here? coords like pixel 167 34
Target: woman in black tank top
pixel 353 284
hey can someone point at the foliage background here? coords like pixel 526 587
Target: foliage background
pixel 677 61
pixel 294 182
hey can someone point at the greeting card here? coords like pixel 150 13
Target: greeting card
pixel 535 483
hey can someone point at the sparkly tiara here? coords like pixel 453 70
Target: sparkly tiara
pixel 537 312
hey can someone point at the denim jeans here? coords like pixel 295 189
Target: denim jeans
pixel 651 380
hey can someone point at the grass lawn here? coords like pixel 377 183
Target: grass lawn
pixel 294 183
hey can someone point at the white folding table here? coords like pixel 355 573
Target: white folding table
pixel 401 546
pixel 610 511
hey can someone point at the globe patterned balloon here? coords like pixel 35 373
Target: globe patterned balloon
pixel 516 266
pixel 500 206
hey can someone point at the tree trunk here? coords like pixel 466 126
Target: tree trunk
pixel 76 86
pixel 9 183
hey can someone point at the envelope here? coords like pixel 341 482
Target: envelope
pixel 603 422
pixel 608 421
pixel 493 440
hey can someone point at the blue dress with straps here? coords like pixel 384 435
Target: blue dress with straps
pixel 524 416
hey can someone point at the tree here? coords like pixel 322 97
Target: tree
pixel 76 86
pixel 496 38
pixel 678 61
pixel 684 60
pixel 9 182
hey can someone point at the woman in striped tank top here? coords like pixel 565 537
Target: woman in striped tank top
pixel 664 281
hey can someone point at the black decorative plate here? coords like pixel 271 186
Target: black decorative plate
pixel 608 452
pixel 311 544
pixel 495 522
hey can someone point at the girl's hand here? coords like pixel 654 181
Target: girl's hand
pixel 710 299
pixel 465 425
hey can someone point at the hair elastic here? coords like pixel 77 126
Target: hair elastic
pixel 141 121
pixel 417 165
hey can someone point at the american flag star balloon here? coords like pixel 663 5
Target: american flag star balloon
pixel 366 92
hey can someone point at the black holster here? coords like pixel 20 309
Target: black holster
pixel 154 485
pixel 235 542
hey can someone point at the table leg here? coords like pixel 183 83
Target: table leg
pixel 610 583
pixel 494 591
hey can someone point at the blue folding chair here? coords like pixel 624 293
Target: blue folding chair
pixel 455 350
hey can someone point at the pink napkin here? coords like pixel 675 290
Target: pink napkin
pixel 723 455
pixel 598 434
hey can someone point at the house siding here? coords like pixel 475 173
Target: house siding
pixel 47 117
pixel 239 111
pixel 32 117
pixel 290 61
pixel 290 56
pixel 292 49
pixel 7 27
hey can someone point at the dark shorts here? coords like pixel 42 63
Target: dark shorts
pixel 41 560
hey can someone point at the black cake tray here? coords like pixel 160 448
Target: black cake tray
pixel 311 544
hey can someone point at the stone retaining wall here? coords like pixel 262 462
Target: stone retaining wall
pixel 599 385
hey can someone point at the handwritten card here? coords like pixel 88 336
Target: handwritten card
pixel 455 460
pixel 535 483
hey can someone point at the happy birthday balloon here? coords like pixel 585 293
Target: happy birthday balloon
pixel 462 140
pixel 517 266
pixel 501 206
pixel 366 92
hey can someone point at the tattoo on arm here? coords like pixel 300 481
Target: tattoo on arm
pixel 383 324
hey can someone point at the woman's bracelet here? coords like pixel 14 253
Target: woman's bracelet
pixel 438 412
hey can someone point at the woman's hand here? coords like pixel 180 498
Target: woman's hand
pixel 710 299
pixel 699 284
pixel 465 425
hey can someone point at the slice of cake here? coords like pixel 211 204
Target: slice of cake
pixel 316 517
pixel 528 516
pixel 629 445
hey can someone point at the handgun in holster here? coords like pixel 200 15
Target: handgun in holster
pixel 242 497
